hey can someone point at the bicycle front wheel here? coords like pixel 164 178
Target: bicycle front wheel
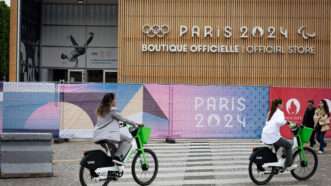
pixel 305 170
pixel 144 174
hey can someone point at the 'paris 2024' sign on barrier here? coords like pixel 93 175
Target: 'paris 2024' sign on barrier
pixel 217 111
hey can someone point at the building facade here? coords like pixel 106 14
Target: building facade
pixel 202 42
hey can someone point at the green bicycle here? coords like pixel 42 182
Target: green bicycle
pixel 98 165
pixel 265 162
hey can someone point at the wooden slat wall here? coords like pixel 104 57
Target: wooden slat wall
pixel 226 69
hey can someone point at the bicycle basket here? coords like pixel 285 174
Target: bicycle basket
pixel 144 134
pixel 305 133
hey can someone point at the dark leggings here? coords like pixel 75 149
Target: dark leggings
pixel 288 150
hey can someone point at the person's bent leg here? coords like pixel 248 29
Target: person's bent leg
pixel 125 144
pixel 288 148
pixel 123 150
pixel 125 135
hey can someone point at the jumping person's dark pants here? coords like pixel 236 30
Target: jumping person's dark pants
pixel 288 150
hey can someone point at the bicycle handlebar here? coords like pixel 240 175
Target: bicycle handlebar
pixel 123 124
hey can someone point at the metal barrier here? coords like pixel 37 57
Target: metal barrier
pixel 26 155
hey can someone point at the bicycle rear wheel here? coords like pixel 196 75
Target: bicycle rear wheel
pixel 257 176
pixel 85 177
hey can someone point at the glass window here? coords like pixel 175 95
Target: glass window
pixel 75 76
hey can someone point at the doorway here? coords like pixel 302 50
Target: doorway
pixel 76 76
pixel 58 75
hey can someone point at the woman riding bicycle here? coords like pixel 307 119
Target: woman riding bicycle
pixel 108 127
pixel 271 131
pixel 265 162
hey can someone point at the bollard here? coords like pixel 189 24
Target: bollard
pixel 26 155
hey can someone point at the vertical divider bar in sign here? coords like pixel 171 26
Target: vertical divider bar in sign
pixel 171 106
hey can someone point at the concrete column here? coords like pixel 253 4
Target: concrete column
pixel 44 74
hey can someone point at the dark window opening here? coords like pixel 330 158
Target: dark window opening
pixel 111 77
pixel 59 75
pixel 94 76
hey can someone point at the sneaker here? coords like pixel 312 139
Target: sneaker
pixel 320 152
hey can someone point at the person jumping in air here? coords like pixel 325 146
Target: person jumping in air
pixel 78 51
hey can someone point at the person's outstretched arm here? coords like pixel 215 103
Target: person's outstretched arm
pixel 118 117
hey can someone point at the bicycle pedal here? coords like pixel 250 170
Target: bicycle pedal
pixel 265 172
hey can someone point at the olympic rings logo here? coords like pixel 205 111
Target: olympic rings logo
pixel 155 30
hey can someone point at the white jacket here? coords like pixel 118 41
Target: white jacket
pixel 271 130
